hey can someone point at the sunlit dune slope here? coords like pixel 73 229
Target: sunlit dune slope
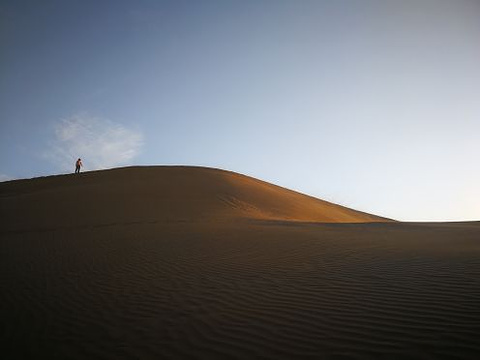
pixel 158 194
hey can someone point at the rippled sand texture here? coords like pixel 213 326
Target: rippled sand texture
pixel 236 288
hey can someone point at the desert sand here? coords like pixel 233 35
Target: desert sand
pixel 198 263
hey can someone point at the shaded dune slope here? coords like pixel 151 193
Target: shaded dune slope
pixel 160 194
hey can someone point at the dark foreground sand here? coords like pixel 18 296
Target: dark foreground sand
pixel 103 274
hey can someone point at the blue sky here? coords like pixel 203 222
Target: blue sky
pixel 371 104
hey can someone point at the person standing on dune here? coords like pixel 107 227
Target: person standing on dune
pixel 78 165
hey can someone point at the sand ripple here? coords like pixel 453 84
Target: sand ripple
pixel 262 291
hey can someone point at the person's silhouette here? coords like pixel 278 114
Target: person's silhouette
pixel 78 165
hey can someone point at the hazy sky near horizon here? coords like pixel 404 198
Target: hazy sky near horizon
pixel 372 104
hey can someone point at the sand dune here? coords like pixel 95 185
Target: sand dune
pixel 159 194
pixel 194 263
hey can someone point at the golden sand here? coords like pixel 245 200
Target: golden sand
pixel 196 263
